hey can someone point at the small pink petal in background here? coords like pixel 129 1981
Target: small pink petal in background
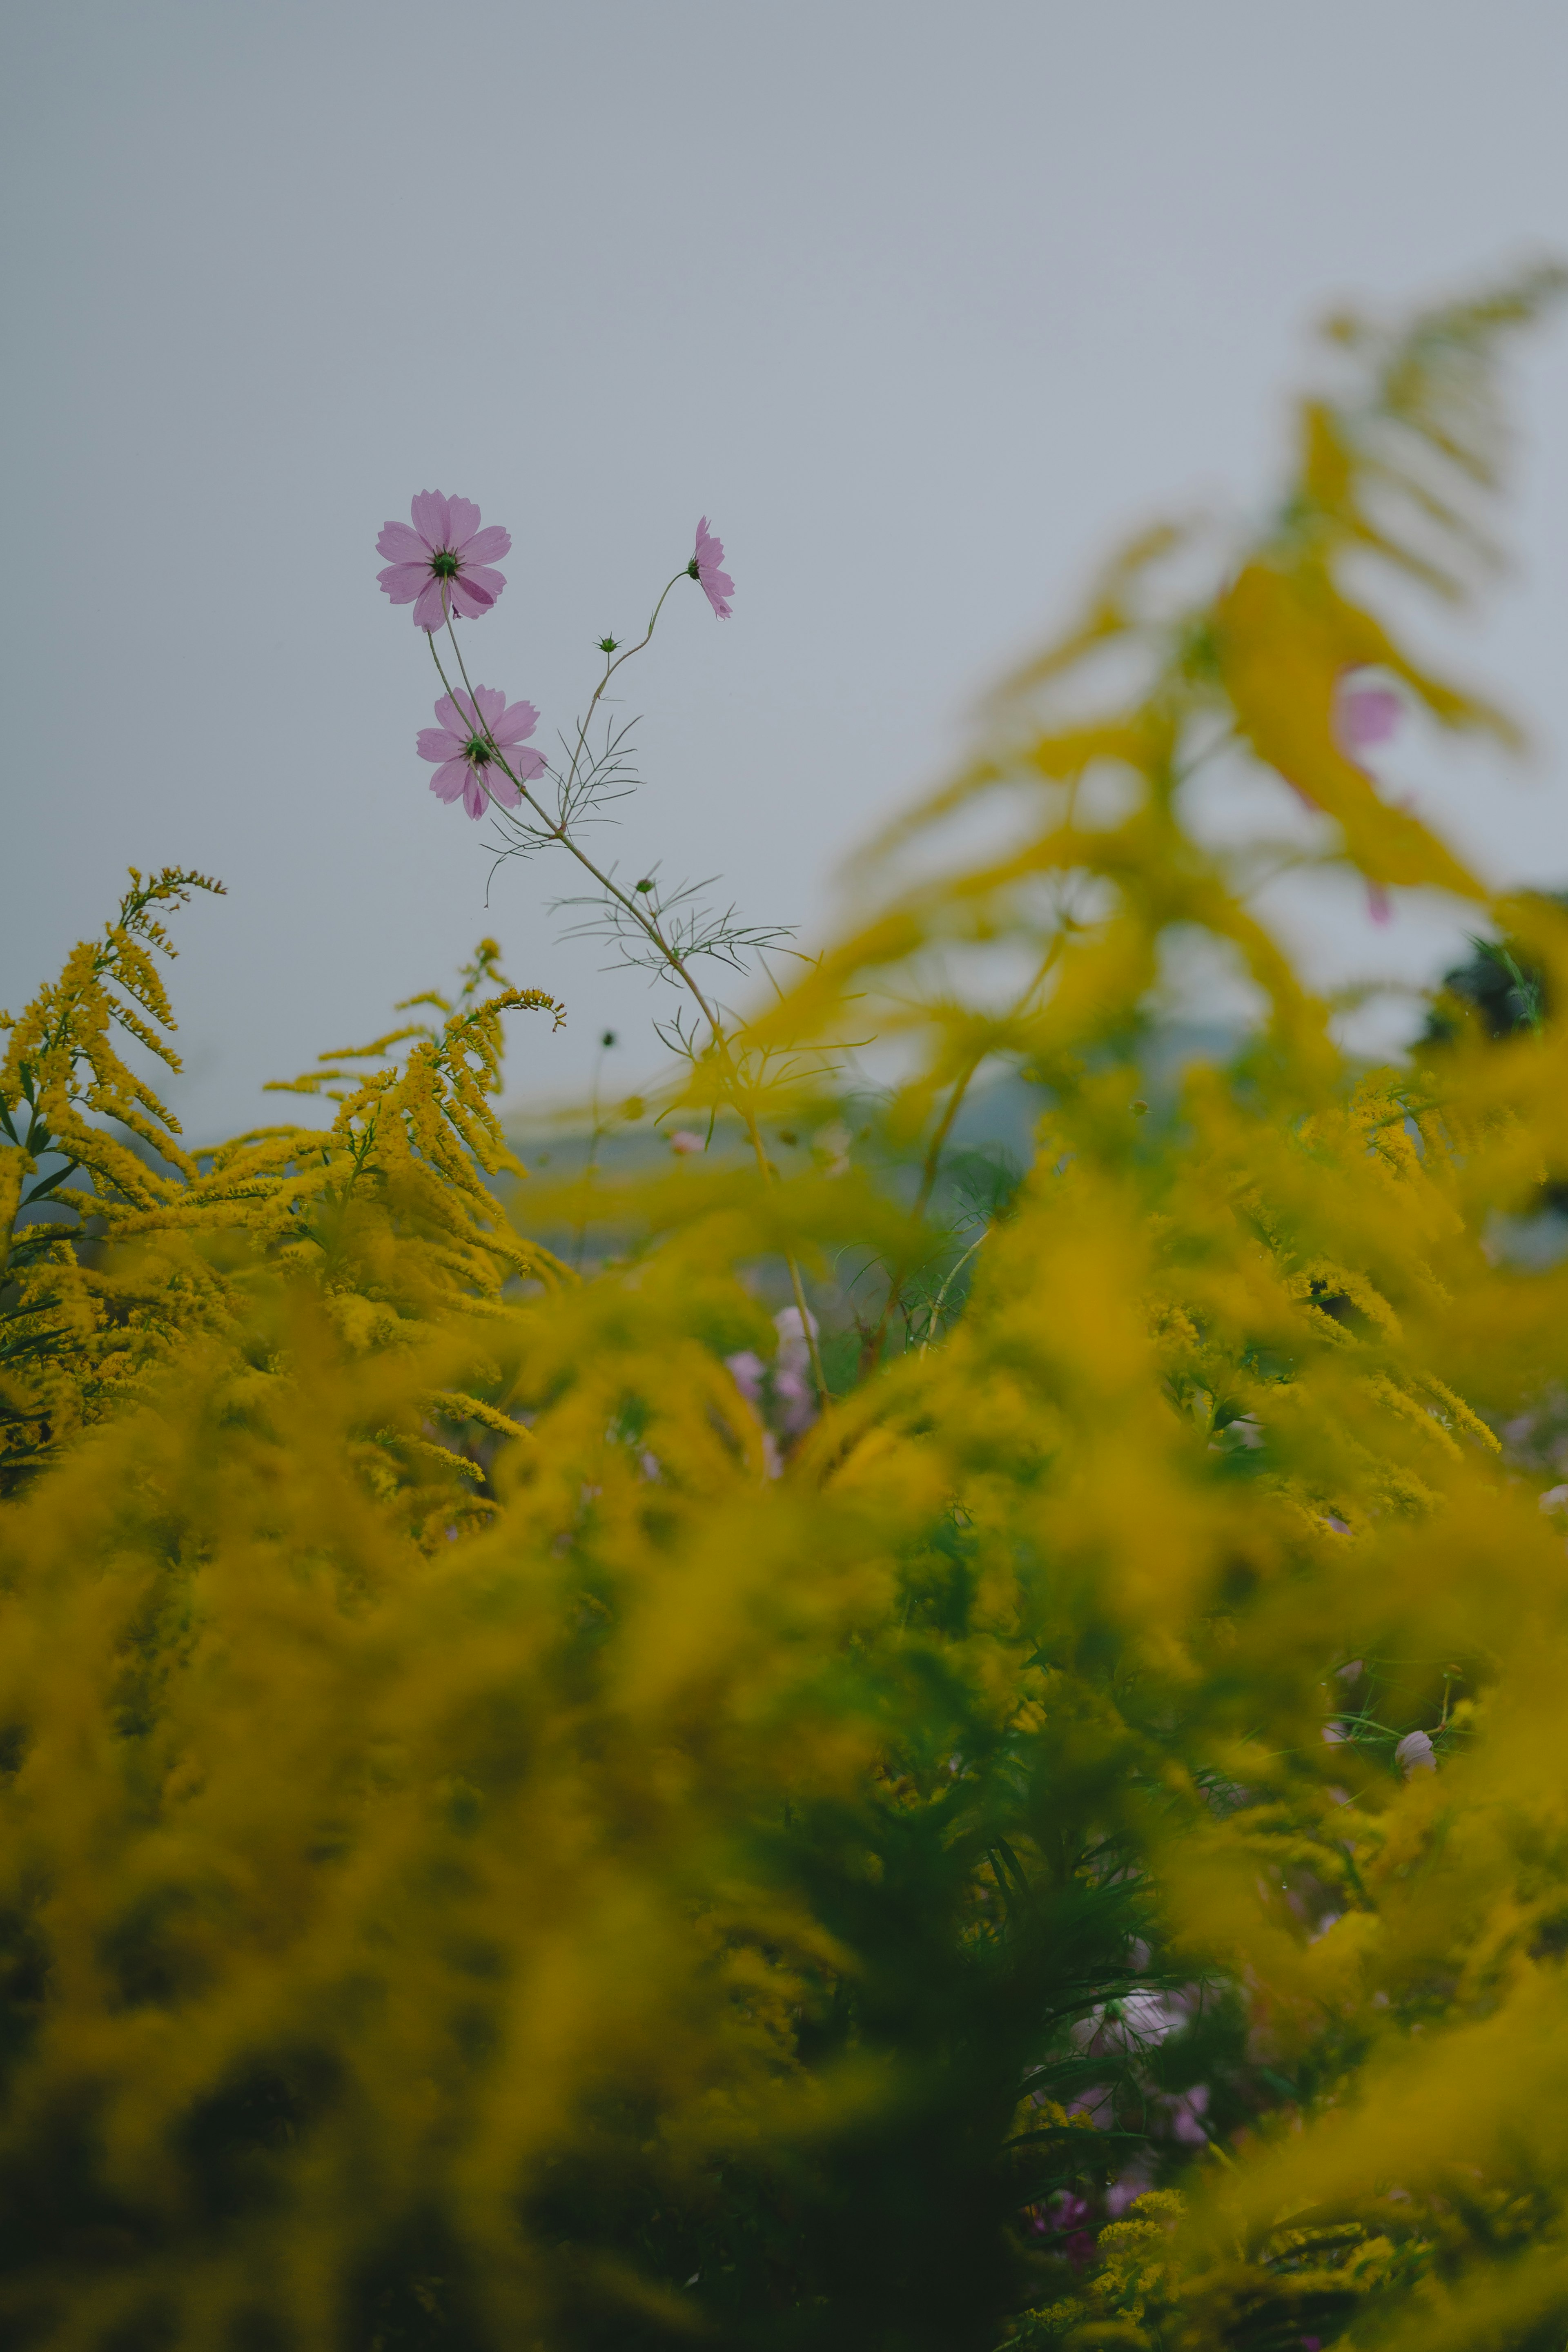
pixel 1366 715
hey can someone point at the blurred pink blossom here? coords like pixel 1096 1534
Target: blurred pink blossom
pixel 794 1391
pixel 470 744
pixel 748 1372
pixel 1185 2111
pixel 1071 2219
pixel 444 563
pixel 708 555
pixel 1366 714
pixel 1413 1754
pixel 783 1392
pixel 684 1143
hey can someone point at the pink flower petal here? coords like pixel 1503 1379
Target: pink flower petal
pixel 1370 715
pixel 456 721
pixel 428 610
pixel 470 602
pixel 439 743
pixel 526 764
pixel 492 705
pixel 403 582
pixel 474 795
pixel 502 789
pixel 483 577
pixel 401 545
pixel 431 513
pixel 448 784
pixel 487 546
pixel 517 724
pixel 1364 713
pixel 462 520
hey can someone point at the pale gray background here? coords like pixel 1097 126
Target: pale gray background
pixel 921 303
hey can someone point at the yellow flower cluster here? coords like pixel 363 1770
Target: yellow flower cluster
pixel 123 1251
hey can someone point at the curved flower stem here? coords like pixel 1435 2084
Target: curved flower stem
pixel 952 1274
pixel 870 1352
pixel 944 1128
pixel 611 667
pixel 648 924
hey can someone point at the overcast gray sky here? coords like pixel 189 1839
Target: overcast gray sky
pixel 920 303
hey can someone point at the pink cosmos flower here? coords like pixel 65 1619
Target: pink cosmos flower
pixel 685 1142
pixel 704 568
pixel 469 745
pixel 444 563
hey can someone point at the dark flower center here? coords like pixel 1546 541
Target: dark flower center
pixel 478 752
pixel 443 564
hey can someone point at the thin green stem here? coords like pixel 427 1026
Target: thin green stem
pixel 870 1353
pixel 649 926
pixel 940 1298
pixel 871 1350
pixel 944 1128
pixel 611 667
